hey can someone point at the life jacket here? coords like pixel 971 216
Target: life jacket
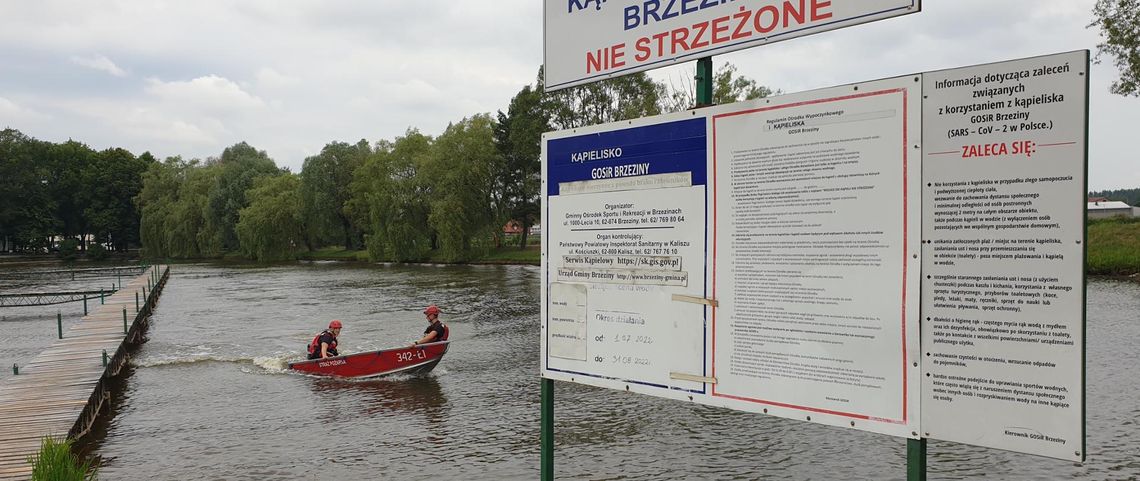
pixel 314 348
pixel 446 333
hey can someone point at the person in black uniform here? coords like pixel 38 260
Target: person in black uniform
pixel 324 345
pixel 436 331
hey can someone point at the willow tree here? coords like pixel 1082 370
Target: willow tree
pixel 240 165
pixel 391 199
pixel 462 172
pixel 325 189
pixel 174 204
pixel 271 228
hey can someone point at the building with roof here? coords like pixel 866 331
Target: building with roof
pixel 1100 208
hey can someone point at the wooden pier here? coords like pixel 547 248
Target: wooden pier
pixel 59 392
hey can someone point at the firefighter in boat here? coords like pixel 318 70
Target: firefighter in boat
pixel 324 345
pixel 436 330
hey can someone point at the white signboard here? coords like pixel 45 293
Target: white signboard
pixel 624 216
pixel 589 40
pixel 770 256
pixel 794 217
pixel 816 224
pixel 1003 273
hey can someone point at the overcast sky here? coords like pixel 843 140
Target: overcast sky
pixel 193 77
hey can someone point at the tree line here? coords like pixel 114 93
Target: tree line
pixel 53 191
pixel 411 198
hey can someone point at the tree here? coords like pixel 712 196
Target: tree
pixel 610 100
pixel 728 87
pixel 113 179
pixel 518 136
pixel 68 163
pixel 270 228
pixel 27 209
pixel 1119 23
pixel 391 199
pixel 325 180
pixel 240 165
pixel 463 163
pixel 174 205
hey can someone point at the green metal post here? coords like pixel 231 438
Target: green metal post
pixel 124 320
pixel 85 304
pixel 704 81
pixel 104 358
pixel 547 430
pixel 15 369
pixel 100 296
pixel 136 301
pixel 120 274
pixel 916 459
pixel 59 323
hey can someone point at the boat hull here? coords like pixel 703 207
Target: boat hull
pixel 402 360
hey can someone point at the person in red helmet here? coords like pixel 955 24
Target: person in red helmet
pixel 324 345
pixel 435 331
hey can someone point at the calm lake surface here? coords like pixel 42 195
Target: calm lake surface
pixel 206 397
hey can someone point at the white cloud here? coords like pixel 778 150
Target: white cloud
pixel 101 63
pixel 269 78
pixel 209 94
pixel 14 115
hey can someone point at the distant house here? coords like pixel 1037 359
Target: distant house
pixel 513 227
pixel 1101 208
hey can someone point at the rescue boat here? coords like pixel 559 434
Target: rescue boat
pixel 400 360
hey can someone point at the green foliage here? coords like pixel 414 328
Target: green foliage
pixel 97 252
pixel 55 462
pixel 240 165
pixel 610 100
pixel 68 249
pixel 111 183
pixel 174 206
pixel 270 228
pixel 461 171
pixel 518 136
pixel 325 190
pixel 1119 24
pixel 27 208
pixel 1128 196
pixel 69 164
pixel 728 87
pixel 1114 246
pixel 391 197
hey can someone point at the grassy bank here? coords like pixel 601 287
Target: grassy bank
pixel 1114 247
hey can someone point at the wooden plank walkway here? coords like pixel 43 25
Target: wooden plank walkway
pixel 59 392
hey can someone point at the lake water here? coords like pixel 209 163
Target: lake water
pixel 207 398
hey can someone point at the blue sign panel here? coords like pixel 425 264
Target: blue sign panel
pixel 654 149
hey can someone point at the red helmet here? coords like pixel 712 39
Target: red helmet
pixel 335 324
pixel 431 310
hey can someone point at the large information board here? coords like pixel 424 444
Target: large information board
pixel 1003 292
pixel 785 255
pixel 628 211
pixel 589 40
pixel 816 223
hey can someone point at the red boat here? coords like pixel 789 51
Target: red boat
pixel 400 360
